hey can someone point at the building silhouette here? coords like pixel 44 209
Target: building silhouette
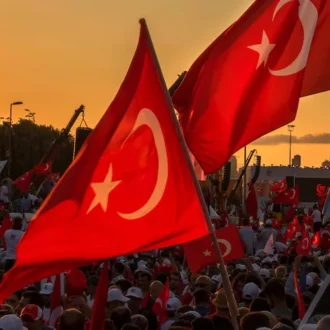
pixel 233 167
pixel 296 160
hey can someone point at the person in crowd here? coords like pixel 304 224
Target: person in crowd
pixel 117 272
pixel 4 193
pixel 317 218
pixel 46 292
pixel 12 238
pixel 91 288
pixel 120 316
pixel 221 305
pixel 275 291
pixel 27 203
pixel 13 300
pixel 32 318
pixel 134 295
pixel 144 280
pixel 324 323
pixel 71 319
pixel 175 279
pixel 129 326
pixel 248 237
pixel 11 322
pixel 203 323
pixel 115 299
pixel 30 297
pixel 140 321
pixel 201 302
pixel 263 236
pixel 255 320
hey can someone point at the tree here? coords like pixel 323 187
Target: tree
pixel 30 142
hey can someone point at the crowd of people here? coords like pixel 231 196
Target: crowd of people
pixel 157 291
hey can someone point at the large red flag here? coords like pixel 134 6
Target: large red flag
pixel 247 83
pixel 130 186
pixel 201 253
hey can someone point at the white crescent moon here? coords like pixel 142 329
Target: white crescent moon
pixel 147 117
pixel 226 244
pixel 303 245
pixel 308 16
pixel 293 195
pixel 324 232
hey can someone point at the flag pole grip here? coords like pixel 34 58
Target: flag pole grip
pixel 223 271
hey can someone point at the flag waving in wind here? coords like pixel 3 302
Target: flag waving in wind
pixel 248 82
pixel 135 153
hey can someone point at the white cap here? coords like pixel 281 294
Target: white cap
pixel 134 292
pixel 167 262
pixel 11 322
pixel 142 265
pixel 47 288
pixel 250 291
pixel 267 260
pixel 240 267
pixel 173 304
pixel 116 295
pixel 269 222
pixel 265 273
pixel 216 278
pixel 279 246
pixel 256 267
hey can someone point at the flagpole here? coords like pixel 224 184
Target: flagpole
pixel 224 275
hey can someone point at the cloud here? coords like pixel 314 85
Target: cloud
pixel 323 138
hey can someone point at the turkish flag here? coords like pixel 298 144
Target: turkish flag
pixel 43 169
pixel 290 196
pixel 23 182
pixel 201 253
pixel 280 187
pixel 325 239
pixel 248 82
pixel 251 202
pixel 129 190
pixel 304 246
pixel 160 308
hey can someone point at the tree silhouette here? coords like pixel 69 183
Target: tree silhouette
pixel 30 142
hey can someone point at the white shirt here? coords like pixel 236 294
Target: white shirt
pixel 46 314
pixel 316 215
pixel 12 238
pixel 90 301
pixel 4 194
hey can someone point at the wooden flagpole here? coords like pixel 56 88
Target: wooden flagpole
pixel 224 275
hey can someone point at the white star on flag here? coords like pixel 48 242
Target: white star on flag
pixel 102 191
pixel 207 253
pixel 264 49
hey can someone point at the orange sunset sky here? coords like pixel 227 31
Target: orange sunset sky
pixel 56 55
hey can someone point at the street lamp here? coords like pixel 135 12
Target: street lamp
pixel 10 133
pixel 290 129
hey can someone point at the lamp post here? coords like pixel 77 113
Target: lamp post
pixel 10 133
pixel 290 129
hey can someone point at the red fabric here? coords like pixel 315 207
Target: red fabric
pixel 280 186
pixel 304 246
pixel 76 282
pixel 316 239
pixel 227 89
pixel 6 225
pixel 290 196
pixel 23 182
pixel 100 300
pixel 300 300
pixel 201 252
pixel 43 169
pixel 159 307
pixel 251 202
pixel 85 210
